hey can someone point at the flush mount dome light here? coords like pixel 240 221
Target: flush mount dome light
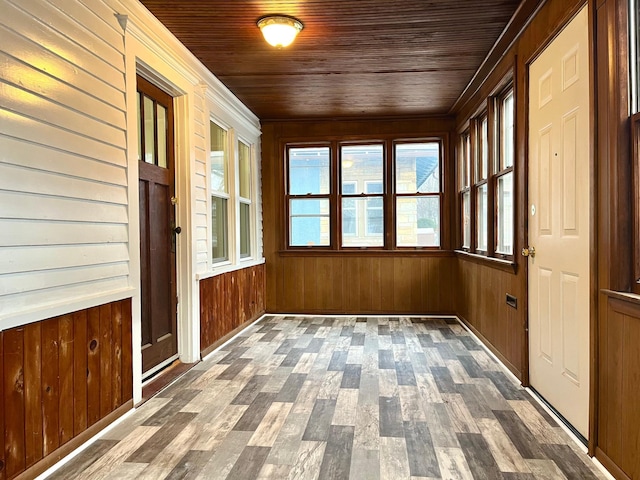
pixel 279 30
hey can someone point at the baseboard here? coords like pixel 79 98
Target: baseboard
pixel 206 351
pixel 610 465
pixel 493 349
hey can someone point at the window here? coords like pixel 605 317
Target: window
pixel 486 155
pixel 308 196
pixel 465 188
pixel 244 172
pixel 363 165
pixel 417 188
pixel 219 161
pixel 504 177
pixel 379 195
pixel 481 187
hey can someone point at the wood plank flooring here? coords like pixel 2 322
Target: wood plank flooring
pixel 337 398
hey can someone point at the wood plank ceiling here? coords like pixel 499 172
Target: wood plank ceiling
pixel 354 58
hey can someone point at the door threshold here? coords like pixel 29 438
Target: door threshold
pixel 560 417
pixel 163 378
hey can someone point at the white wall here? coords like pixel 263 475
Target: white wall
pixel 68 165
pixel 63 179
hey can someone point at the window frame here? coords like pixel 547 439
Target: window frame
pixel 491 109
pixel 439 194
pixel 330 196
pixel 501 170
pixel 336 196
pixel 246 200
pixel 228 195
pixel 482 174
pixel 464 188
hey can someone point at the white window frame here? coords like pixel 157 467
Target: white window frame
pixel 226 195
pixel 246 201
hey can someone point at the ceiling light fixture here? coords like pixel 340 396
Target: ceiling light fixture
pixel 279 30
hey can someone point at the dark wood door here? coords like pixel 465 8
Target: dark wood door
pixel 157 223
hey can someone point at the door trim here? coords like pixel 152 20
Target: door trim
pixel 158 68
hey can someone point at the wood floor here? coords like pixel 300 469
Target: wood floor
pixel 334 398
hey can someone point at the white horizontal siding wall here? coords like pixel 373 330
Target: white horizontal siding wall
pixel 202 207
pixel 63 179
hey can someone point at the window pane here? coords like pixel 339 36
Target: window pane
pixel 219 158
pixel 375 216
pixel 219 229
pixel 349 217
pixel 466 219
pixel 418 168
pixel 481 222
pixel 505 214
pixel 507 131
pixel 309 222
pixel 418 221
pixel 244 160
pixel 149 134
pixel 309 170
pixel 162 136
pixel 362 222
pixel 465 159
pixel 245 230
pixel 360 164
pixel 484 149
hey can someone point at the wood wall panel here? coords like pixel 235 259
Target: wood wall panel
pixel 365 284
pixel 47 388
pixel 229 300
pixel 619 386
pixel 482 305
pixel 353 282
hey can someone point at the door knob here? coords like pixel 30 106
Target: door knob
pixel 529 252
pixel 177 230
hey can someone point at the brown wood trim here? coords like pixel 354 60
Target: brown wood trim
pixel 624 296
pixel 229 335
pixel 635 202
pixel 610 465
pixel 367 252
pixel 58 454
pixel 493 349
pixel 497 263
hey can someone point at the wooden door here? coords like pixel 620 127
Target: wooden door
pixel 559 206
pixel 157 223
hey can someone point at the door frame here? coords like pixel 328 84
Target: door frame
pixel 593 238
pixel 158 67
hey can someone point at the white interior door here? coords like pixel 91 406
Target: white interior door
pixel 559 223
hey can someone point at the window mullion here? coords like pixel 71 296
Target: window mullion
pixel 389 201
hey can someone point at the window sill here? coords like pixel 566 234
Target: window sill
pixel 245 263
pixel 497 263
pixel 365 252
pixel 624 296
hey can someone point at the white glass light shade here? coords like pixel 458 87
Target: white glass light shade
pixel 279 31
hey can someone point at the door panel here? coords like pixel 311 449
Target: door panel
pixel 157 219
pixel 559 206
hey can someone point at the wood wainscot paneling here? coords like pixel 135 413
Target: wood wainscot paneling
pixel 228 302
pixel 62 380
pixel 367 284
pixel 482 306
pixel 618 441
